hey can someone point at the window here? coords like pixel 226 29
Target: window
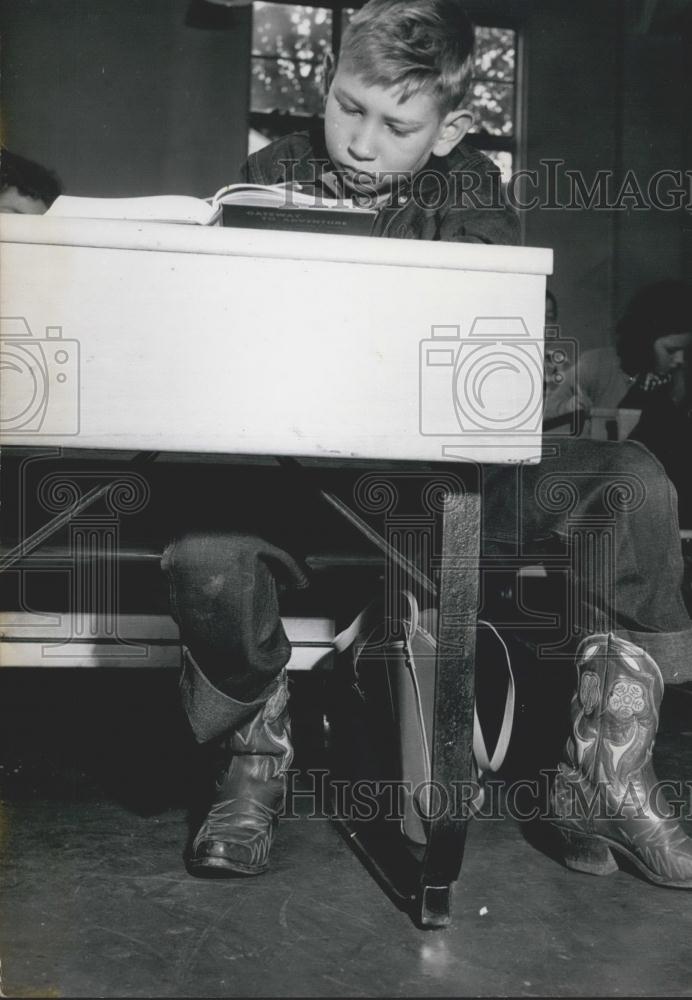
pixel 493 95
pixel 289 42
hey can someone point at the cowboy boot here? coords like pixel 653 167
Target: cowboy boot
pixel 607 798
pixel 237 834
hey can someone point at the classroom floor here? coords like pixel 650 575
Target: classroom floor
pixel 94 816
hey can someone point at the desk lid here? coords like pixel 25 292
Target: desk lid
pixel 218 241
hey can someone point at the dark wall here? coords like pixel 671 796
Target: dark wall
pixel 572 116
pixel 122 97
pixel 603 96
pixel 654 124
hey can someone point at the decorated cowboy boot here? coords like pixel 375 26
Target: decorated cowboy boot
pixel 606 798
pixel 237 834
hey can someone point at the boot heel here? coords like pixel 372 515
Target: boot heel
pixel 582 853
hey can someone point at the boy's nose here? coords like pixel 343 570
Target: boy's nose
pixel 362 144
pixel 677 359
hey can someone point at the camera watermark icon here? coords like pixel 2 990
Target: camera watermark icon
pixel 39 380
pixel 487 384
pixel 563 411
pixel 560 354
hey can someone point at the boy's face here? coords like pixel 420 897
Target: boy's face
pixel 369 132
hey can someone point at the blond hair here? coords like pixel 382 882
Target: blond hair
pixel 413 46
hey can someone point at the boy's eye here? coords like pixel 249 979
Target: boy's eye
pixel 400 133
pixel 349 109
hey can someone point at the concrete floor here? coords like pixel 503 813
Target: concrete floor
pixel 94 816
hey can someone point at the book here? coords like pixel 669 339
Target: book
pixel 250 206
pixel 282 206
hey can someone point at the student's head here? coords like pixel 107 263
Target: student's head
pixel 655 331
pixel 26 187
pixel 396 92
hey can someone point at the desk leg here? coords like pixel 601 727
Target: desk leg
pixel 452 761
pixel 424 884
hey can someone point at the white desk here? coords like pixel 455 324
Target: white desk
pixel 199 339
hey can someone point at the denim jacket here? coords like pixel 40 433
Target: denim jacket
pixel 457 198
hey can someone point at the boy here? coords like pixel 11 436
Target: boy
pixel 393 115
pixel 393 129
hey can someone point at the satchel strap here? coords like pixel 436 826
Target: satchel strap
pixel 359 632
pixel 486 763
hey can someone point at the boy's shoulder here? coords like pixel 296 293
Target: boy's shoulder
pixel 463 157
pixel 291 157
pixel 474 205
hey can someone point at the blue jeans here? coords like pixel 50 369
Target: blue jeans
pixel 224 585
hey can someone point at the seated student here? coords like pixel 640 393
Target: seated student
pixel 26 187
pixel 394 111
pixel 647 358
pixel 655 349
pixel 647 370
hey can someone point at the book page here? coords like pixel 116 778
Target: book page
pixel 182 209
pixel 281 196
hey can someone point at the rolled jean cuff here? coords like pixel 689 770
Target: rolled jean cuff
pixel 212 713
pixel 672 651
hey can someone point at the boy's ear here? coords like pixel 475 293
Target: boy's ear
pixel 453 128
pixel 328 71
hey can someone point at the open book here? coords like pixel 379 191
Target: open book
pixel 251 206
